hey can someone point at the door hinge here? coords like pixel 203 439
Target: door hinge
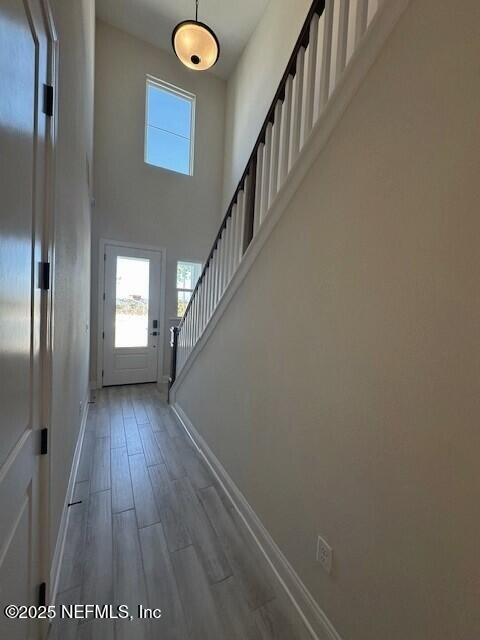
pixel 44 276
pixel 104 295
pixel 48 100
pixel 44 442
pixel 103 335
pixel 42 594
pixel 102 373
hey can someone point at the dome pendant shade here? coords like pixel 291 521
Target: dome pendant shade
pixel 195 45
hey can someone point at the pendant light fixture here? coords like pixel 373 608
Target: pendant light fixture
pixel 195 44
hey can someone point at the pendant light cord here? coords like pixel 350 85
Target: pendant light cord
pixel 196 10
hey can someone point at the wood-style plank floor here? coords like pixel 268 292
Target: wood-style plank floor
pixel 153 528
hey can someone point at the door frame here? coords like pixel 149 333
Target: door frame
pixel 100 311
pixel 47 558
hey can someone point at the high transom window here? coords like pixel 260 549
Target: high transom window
pixel 169 127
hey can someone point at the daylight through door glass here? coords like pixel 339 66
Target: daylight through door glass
pixel 131 304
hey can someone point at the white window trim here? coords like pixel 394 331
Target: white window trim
pixel 177 289
pixel 166 86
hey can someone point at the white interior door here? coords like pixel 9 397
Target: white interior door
pixel 23 130
pixel 131 315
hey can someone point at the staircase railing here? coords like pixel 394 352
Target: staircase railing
pixel 330 35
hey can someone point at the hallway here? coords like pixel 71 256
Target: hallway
pixel 153 528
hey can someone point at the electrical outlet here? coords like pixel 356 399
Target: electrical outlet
pixel 324 554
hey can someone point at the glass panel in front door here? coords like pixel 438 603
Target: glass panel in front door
pixel 131 302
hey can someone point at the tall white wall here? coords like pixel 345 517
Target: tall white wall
pixel 75 22
pixel 139 203
pixel 341 387
pixel 256 77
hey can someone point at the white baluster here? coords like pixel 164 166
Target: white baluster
pixel 195 317
pixel 233 263
pixel 296 117
pixel 192 325
pixel 285 133
pixel 274 154
pixel 361 15
pixel 221 254
pixel 185 345
pixel 217 276
pixel 208 294
pixel 200 308
pixel 214 280
pixel 258 188
pixel 340 33
pixel 267 152
pixel 324 84
pixel 224 260
pixel 246 189
pixel 189 334
pixel 233 243
pixel 219 272
pixel 228 240
pixel 240 224
pixel 309 81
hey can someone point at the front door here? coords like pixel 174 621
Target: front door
pixel 131 315
pixel 24 50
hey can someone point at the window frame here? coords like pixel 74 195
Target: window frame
pixel 181 93
pixel 181 289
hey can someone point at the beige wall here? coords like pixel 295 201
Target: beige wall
pixel 252 86
pixel 75 22
pixel 341 387
pixel 136 202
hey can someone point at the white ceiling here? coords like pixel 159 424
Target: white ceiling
pixel 154 20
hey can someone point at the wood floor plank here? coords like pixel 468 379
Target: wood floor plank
pixel 117 431
pixel 161 584
pixel 122 494
pixel 150 446
pixel 204 537
pixel 170 509
pixel 91 418
pixel 194 465
pixel 154 416
pixel 170 422
pixel 126 403
pixel 65 629
pixel 249 568
pixel 86 457
pixel 134 444
pixel 171 455
pixel 145 506
pixel 129 580
pixel 100 478
pixel 71 573
pixel 201 614
pixel 95 630
pixel 102 425
pixel 238 619
pixel 138 408
pixel 97 586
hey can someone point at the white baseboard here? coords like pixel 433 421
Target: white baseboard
pixel 312 615
pixel 62 532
